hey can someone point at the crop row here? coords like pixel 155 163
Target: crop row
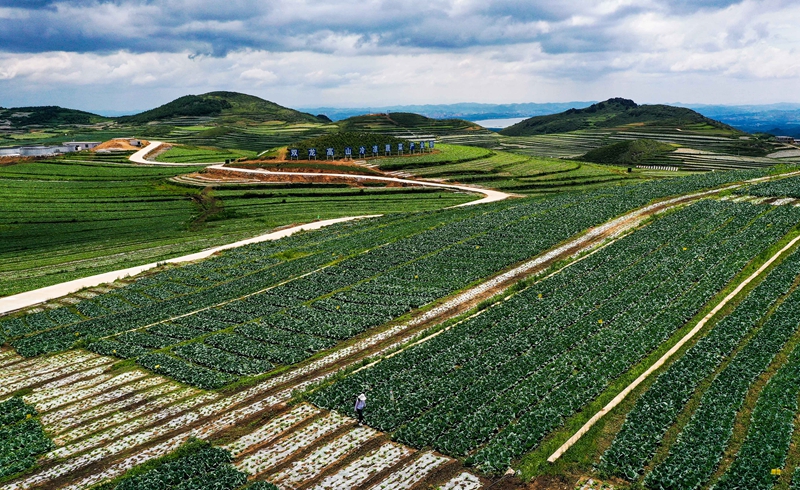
pixel 409 261
pixel 770 432
pixel 374 287
pixel 535 360
pixel 22 438
pixel 701 444
pixel 194 466
pixel 657 409
pixel 788 187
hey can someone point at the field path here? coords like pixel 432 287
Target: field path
pixel 36 296
pixel 326 444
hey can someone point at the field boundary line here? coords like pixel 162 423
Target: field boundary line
pixel 36 296
pixel 661 361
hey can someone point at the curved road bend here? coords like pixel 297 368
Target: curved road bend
pixel 36 296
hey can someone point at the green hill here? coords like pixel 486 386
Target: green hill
pixel 615 113
pixel 46 116
pixel 227 106
pixel 628 152
pixel 404 122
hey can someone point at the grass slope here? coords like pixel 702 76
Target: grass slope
pixel 404 121
pixel 628 152
pixel 224 104
pixel 46 116
pixel 613 113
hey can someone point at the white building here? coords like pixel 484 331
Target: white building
pixel 81 145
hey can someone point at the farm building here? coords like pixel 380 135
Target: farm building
pixel 81 145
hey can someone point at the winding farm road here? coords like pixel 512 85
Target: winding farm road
pixel 37 296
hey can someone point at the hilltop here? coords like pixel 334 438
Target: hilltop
pixel 224 105
pixel 395 121
pixel 615 113
pixel 20 117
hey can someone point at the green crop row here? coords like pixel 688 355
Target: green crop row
pixel 657 409
pixel 536 359
pixel 788 187
pixel 22 438
pixel 769 435
pixel 194 466
pixel 701 444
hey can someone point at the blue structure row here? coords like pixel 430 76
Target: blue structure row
pixel 330 153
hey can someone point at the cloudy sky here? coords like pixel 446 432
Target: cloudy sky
pixel 130 55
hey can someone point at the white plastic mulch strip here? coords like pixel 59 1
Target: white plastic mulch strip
pixel 59 420
pixel 90 389
pixel 321 458
pixel 121 436
pixel 47 364
pixel 271 429
pixel 413 473
pixel 25 380
pixel 464 481
pixel 360 470
pixel 274 454
pixel 127 415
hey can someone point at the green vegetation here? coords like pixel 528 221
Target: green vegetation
pixel 66 218
pixel 196 465
pixel 534 360
pixel 222 104
pixel 614 113
pixel 628 152
pixel 20 117
pixel 510 172
pixel 341 281
pixel 788 187
pixel 447 154
pixel 22 438
pixel 193 154
pixel 402 122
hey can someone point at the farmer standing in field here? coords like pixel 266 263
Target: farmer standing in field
pixel 361 402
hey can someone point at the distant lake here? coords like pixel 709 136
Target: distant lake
pixel 499 123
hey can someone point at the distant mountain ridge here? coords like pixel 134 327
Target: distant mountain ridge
pixel 613 113
pixel 470 111
pixel 36 116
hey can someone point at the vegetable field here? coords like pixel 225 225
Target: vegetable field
pixel 22 438
pixel 533 361
pixel 272 304
pixel 64 219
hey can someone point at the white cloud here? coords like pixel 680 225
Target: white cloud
pixel 354 52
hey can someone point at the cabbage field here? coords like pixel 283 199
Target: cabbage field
pixel 533 361
pixel 242 313
pixel 240 371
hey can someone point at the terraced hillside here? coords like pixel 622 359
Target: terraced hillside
pixel 697 150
